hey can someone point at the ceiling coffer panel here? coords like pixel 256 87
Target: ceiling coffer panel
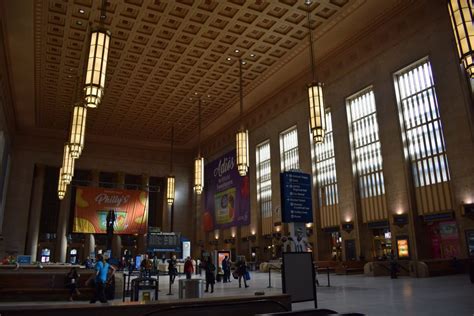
pixel 162 52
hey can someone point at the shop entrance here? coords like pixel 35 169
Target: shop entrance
pixel 381 243
pixel 336 246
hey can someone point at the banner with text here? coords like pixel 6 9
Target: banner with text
pixel 296 197
pixel 227 194
pixel 93 205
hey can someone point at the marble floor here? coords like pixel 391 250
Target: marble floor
pixel 448 295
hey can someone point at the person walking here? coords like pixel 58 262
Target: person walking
pixel 210 276
pixel 172 270
pixel 242 272
pixel 226 269
pixel 188 268
pixel 72 278
pixel 101 268
pixel 393 265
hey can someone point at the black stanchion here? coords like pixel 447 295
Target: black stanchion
pixel 124 286
pixel 269 278
pixel 329 281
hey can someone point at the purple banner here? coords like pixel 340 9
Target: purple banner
pixel 227 194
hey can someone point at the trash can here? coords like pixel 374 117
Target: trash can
pixel 191 288
pixel 144 289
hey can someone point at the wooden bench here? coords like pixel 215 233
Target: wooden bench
pixel 350 267
pixel 382 268
pixel 445 267
pixel 31 285
pixel 323 266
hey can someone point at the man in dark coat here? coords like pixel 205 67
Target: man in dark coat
pixel 210 275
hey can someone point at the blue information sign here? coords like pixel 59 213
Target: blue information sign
pixel 23 259
pixel 296 200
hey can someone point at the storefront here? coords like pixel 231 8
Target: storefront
pixel 444 239
pixel 381 240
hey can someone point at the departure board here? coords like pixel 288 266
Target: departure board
pixel 164 242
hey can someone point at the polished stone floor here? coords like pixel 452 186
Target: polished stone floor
pixel 449 295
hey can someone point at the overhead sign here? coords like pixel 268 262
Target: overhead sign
pixel 296 197
pixel 164 242
pixel 438 217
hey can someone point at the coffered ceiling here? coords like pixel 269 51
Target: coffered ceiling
pixel 161 53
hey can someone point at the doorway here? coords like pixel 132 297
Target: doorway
pixel 381 243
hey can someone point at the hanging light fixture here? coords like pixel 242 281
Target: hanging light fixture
pixel 62 186
pixel 199 161
pixel 96 67
pixel 78 128
pixel 170 187
pixel 461 12
pixel 170 181
pixel 315 94
pixel 68 165
pixel 242 136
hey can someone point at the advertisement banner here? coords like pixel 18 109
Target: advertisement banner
pixel 227 194
pixel 93 205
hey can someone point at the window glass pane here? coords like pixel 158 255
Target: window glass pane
pixel 364 130
pixel 422 125
pixel 325 163
pixel 289 149
pixel 264 181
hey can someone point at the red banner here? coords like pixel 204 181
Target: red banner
pixel 93 205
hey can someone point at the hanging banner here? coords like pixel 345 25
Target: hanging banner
pixel 227 194
pixel 93 205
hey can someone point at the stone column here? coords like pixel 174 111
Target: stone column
pixel 61 233
pixel 141 241
pixel 35 212
pixel 117 239
pixel 89 240
pixel 89 244
pixel 166 214
pixel 195 247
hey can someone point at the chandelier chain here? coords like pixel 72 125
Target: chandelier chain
pixel 241 92
pixel 199 126
pixel 172 143
pixel 311 43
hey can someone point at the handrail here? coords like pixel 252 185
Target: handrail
pixel 207 306
pixel 403 267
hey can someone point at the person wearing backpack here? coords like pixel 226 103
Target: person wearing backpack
pixel 210 275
